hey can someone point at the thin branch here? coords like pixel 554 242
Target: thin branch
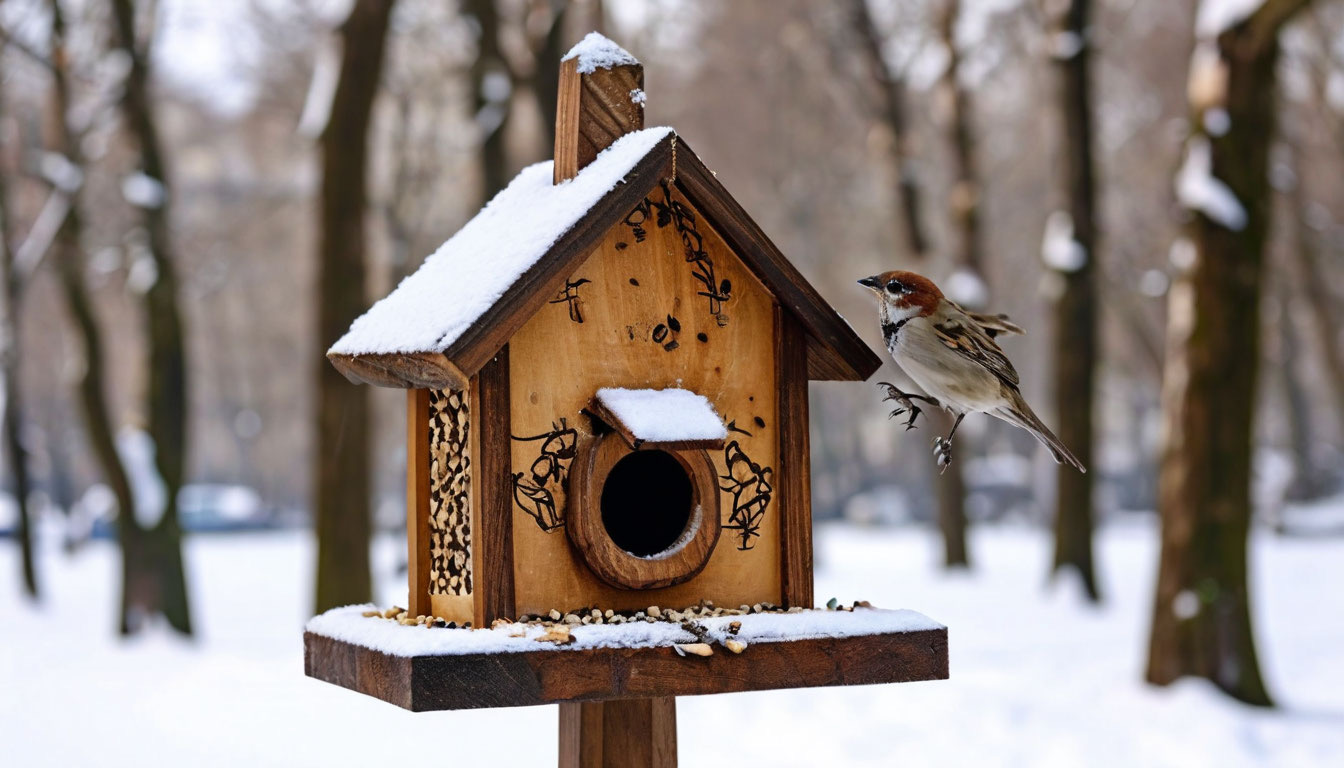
pixel 28 51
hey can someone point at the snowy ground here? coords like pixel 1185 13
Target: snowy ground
pixel 1037 678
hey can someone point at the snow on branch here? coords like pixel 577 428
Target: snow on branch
pixel 1199 190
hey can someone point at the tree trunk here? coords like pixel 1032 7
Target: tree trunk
pixel 1304 483
pixel 341 492
pixel 161 572
pixel 16 458
pixel 546 77
pixel 492 85
pixel 1201 617
pixel 1075 337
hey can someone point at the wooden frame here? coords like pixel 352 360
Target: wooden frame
pixel 549 676
pixel 795 488
pixel 417 502
pixel 603 556
pixel 492 493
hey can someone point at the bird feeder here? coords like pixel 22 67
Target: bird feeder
pixel 608 499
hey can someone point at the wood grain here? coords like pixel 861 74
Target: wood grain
pixel 608 561
pixel 835 352
pixel 426 683
pixel 636 284
pixel 417 502
pixel 637 733
pixel 795 486
pixel 593 110
pixel 491 493
pixel 420 370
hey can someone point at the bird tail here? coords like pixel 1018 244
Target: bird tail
pixel 1020 414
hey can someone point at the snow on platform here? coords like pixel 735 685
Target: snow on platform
pixel 460 281
pixel 663 415
pixel 348 624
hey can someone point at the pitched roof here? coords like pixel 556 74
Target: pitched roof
pixel 445 321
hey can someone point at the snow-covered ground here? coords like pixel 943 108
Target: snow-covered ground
pixel 1038 678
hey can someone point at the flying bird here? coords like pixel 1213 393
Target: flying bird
pixel 951 354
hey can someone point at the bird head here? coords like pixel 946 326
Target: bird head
pixel 902 295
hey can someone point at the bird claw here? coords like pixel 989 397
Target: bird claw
pixel 942 449
pixel 906 400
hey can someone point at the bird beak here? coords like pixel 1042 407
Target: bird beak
pixel 871 282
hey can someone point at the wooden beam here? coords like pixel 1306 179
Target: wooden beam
pixel 492 492
pixel 470 681
pixel 593 110
pixel 794 473
pixel 417 502
pixel 416 370
pixel 640 733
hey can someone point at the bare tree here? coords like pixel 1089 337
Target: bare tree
pixel 16 457
pixel 341 480
pixel 1071 254
pixel 1201 617
pixel 492 85
pixel 155 578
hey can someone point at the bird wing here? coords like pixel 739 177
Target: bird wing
pixel 960 331
pixel 993 324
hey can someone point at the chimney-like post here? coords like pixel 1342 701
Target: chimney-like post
pixel 601 98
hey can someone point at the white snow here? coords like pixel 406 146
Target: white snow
pixel 137 451
pixel 663 415
pixel 596 52
pixel 1217 121
pixel 1038 677
pixel 967 288
pixel 638 96
pixel 460 281
pixel 1199 190
pixel 1066 44
pixel 1217 16
pixel 388 636
pixel 143 191
pixel 1059 250
pixel 62 174
pixel 322 88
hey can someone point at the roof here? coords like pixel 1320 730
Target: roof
pixel 445 321
pixel 661 417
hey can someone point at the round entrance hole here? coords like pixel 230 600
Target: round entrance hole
pixel 646 502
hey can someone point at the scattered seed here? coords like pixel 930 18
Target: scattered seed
pixel 696 649
pixel 734 645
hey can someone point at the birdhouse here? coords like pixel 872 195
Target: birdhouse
pixel 607 374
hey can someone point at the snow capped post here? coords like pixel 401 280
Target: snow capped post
pixel 601 98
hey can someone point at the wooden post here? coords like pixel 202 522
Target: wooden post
pixel 637 733
pixel 417 502
pixel 592 111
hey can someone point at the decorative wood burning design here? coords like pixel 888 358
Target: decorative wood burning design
pixel 449 493
pixel 539 491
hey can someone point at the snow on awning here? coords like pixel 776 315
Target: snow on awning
pixel 675 418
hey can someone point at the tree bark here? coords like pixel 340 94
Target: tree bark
pixel 155 577
pixel 16 457
pixel 342 485
pixel 489 73
pixel 1075 311
pixel 1201 617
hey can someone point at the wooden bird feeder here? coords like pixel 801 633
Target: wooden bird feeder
pixel 607 410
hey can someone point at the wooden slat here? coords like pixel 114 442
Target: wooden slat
pixel 421 370
pixel 795 487
pixel 417 502
pixel 593 110
pixel 838 353
pixel 492 492
pixel 426 683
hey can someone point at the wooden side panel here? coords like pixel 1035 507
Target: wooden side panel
pixel 417 501
pixel 661 302
pixel 492 493
pixel 795 485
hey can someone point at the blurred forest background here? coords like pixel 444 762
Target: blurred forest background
pixel 1154 189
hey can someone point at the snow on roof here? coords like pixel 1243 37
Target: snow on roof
pixel 460 281
pixel 663 415
pixel 596 51
pixel 349 625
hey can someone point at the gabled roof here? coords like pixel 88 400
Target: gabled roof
pixel 452 315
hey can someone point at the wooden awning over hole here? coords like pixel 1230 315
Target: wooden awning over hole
pixel 667 419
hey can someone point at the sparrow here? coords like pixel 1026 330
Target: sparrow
pixel 951 354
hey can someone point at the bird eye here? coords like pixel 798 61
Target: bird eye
pixel 895 287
